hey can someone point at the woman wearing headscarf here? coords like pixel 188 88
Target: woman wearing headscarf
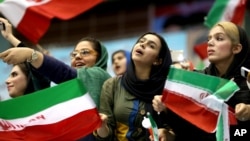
pixel 228 50
pixel 126 99
pixel 88 63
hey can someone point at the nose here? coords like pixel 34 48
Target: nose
pixel 143 45
pixel 7 81
pixel 210 42
pixel 78 56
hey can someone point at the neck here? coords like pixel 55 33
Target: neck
pixel 142 73
pixel 223 67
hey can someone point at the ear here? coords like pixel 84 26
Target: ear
pixel 237 49
pixel 157 62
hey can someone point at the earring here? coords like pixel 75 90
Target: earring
pixel 155 63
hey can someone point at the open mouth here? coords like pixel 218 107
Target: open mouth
pixel 138 51
pixel 79 64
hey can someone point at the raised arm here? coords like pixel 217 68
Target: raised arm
pixel 7 33
pixel 50 67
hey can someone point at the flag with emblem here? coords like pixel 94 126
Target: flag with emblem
pixel 62 112
pixel 200 99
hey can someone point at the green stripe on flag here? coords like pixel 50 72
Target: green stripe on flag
pixel 223 92
pixel 154 127
pixel 40 100
pixel 223 88
pixel 216 12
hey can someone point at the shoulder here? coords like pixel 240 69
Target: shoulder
pixel 94 72
pixel 112 80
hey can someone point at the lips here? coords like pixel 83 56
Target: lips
pixel 139 51
pixel 210 51
pixel 79 64
pixel 9 87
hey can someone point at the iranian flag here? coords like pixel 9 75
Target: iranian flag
pixel 63 112
pixel 32 17
pixel 201 50
pixel 226 10
pixel 200 99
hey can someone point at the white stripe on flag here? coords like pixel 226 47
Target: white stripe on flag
pixel 196 94
pixel 230 10
pixel 52 114
pixel 15 9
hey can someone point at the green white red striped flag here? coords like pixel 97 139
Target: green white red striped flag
pixel 149 123
pixel 201 51
pixel 153 127
pixel 32 17
pixel 63 112
pixel 226 10
pixel 199 99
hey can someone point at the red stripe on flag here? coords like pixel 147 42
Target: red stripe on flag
pixel 36 19
pixel 194 112
pixel 239 13
pixel 201 50
pixel 34 24
pixel 69 129
pixel 191 111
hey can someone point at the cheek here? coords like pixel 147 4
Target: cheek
pixel 20 87
pixel 225 49
pixel 72 62
pixel 90 61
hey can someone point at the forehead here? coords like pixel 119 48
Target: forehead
pixel 119 54
pixel 84 45
pixel 152 38
pixel 217 30
pixel 16 69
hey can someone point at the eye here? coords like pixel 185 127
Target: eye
pixel 73 54
pixel 13 74
pixel 152 46
pixel 85 52
pixel 219 38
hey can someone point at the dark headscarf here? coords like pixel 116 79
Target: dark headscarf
pixel 147 89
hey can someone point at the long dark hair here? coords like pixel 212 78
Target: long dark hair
pixel 35 80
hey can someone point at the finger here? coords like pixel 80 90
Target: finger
pixel 4 54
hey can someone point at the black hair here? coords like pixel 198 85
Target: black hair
pixel 35 80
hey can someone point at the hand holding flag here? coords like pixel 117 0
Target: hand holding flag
pixel 198 93
pixel 150 124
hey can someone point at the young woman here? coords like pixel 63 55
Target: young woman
pixel 120 59
pixel 126 100
pixel 88 62
pixel 23 80
pixel 228 50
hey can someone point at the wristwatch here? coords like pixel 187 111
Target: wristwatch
pixel 34 57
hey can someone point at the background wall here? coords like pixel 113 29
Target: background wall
pixel 118 23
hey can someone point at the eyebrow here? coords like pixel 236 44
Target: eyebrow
pixel 150 41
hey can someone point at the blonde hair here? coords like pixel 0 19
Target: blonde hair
pixel 231 31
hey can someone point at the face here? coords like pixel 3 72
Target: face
pixel 119 63
pixel 146 50
pixel 219 46
pixel 84 55
pixel 16 82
